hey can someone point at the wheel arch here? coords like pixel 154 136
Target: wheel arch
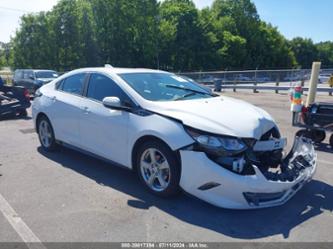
pixel 140 141
pixel 38 117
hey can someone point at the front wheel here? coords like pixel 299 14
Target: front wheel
pixel 158 168
pixel 46 134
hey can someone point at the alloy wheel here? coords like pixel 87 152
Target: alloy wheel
pixel 155 169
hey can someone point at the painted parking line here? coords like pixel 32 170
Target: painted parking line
pixel 325 162
pixel 31 240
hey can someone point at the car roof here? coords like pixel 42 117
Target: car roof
pixel 36 70
pixel 118 70
pixel 43 70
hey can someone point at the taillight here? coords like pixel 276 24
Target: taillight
pixel 304 112
pixel 26 94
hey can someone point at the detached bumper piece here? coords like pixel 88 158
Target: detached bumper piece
pixel 301 157
pixel 209 181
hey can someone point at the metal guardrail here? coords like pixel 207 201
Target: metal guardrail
pixel 259 76
pixel 259 80
pixel 262 87
pixel 277 89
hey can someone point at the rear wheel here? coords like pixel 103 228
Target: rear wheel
pixel 46 134
pixel 331 140
pixel 303 133
pixel 158 168
pixel 318 135
pixel 23 113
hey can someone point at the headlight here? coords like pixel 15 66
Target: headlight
pixel 216 144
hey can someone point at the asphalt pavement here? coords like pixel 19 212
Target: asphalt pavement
pixel 69 197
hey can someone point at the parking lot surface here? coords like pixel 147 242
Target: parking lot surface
pixel 67 196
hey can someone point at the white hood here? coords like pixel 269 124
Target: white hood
pixel 45 80
pixel 220 115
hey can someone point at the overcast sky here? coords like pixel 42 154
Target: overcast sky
pixel 306 18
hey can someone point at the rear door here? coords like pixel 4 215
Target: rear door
pixel 66 108
pixel 103 130
pixel 28 80
pixel 18 75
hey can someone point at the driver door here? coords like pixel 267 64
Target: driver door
pixel 103 130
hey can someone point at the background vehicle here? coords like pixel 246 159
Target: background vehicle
pixel 33 79
pixel 323 78
pixel 241 77
pixel 262 79
pixel 317 119
pixel 292 78
pixel 13 101
pixel 174 134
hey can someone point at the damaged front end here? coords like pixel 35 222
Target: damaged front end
pixel 255 177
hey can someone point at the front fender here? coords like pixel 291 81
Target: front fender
pixel 166 129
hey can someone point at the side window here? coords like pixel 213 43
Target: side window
pixel 28 74
pixel 58 85
pixel 101 86
pixel 73 84
pixel 18 74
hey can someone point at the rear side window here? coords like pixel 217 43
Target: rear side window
pixel 28 74
pixel 101 86
pixel 73 84
pixel 18 74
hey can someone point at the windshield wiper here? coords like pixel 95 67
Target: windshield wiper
pixel 185 96
pixel 187 89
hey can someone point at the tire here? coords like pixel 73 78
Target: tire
pixel 318 135
pixel 23 113
pixel 46 134
pixel 303 133
pixel 331 140
pixel 161 175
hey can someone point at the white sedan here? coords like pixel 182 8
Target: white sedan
pixel 174 134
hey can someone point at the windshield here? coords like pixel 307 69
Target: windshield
pixel 164 86
pixel 46 74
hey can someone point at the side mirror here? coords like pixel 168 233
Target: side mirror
pixel 32 77
pixel 114 103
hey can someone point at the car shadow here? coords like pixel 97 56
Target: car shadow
pixel 14 117
pixel 314 199
pixel 324 147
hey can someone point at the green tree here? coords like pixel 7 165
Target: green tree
pixel 242 20
pixel 169 34
pixel 325 53
pixel 182 41
pixel 65 35
pixel 31 42
pixel 273 49
pixel 127 31
pixel 305 51
pixel 88 48
pixel 5 54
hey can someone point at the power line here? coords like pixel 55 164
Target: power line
pixel 14 9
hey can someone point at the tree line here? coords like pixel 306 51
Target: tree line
pixel 172 35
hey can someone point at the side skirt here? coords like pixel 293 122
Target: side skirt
pixel 72 147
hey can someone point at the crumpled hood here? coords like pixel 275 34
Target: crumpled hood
pixel 220 115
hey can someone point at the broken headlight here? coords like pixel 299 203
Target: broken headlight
pixel 216 144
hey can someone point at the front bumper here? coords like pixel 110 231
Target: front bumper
pixel 203 178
